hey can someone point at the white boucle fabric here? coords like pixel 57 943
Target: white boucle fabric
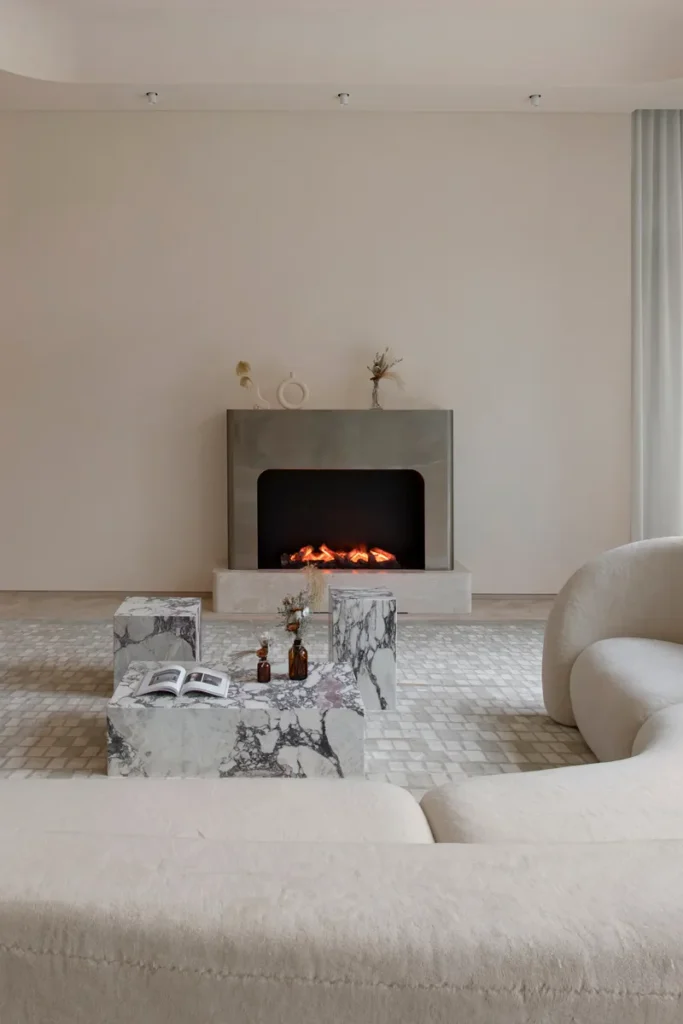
pixel 249 810
pixel 631 591
pixel 635 799
pixel 142 930
pixel 616 685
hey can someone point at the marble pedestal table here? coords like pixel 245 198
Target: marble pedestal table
pixel 281 728
pixel 156 629
pixel 363 633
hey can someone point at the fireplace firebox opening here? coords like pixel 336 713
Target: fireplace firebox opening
pixel 341 518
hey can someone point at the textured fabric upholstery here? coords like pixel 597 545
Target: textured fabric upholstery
pixel 636 799
pixel 613 666
pixel 661 734
pixel 274 810
pixel 617 684
pixel 635 590
pixel 100 929
pixel 553 897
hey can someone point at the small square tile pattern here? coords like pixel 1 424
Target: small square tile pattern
pixel 469 700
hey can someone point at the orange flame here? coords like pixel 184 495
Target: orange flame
pixel 304 554
pixel 381 556
pixel 357 555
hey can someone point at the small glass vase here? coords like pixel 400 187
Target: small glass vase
pixel 298 661
pixel 375 394
pixel 263 670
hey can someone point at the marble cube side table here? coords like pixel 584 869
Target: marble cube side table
pixel 363 633
pixel 284 729
pixel 156 629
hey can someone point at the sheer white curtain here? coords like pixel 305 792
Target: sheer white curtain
pixel 657 323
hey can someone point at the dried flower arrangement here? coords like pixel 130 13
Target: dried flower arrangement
pixel 383 369
pixel 243 371
pixel 264 645
pixel 315 584
pixel 295 610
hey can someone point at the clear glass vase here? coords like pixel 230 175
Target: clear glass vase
pixel 375 395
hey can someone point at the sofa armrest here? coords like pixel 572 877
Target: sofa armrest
pixel 635 590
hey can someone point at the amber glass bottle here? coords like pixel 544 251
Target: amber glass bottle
pixel 298 660
pixel 263 670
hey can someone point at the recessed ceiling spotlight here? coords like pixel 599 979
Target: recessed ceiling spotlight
pixel 343 98
pixel 152 97
pixel 535 99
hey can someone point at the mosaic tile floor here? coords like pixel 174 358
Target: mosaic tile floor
pixel 469 700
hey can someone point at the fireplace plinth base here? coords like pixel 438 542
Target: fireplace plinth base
pixel 420 592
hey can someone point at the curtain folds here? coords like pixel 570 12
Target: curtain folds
pixel 657 323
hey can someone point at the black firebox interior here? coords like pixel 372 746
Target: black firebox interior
pixel 343 508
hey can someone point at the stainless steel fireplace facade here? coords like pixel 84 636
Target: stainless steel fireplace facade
pixel 260 440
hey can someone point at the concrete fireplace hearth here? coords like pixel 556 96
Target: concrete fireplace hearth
pixel 366 495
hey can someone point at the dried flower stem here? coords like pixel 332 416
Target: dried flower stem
pixel 383 364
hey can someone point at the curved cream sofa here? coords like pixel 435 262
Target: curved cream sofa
pixel 190 901
pixel 635 799
pixel 551 897
pixel 612 653
pixel 613 667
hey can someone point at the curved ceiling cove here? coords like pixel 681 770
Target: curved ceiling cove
pixel 298 54
pixel 35 41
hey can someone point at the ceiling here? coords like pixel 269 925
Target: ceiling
pixel 581 55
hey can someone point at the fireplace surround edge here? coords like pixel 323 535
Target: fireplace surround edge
pixel 259 439
pixel 417 592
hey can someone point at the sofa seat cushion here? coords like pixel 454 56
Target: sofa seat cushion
pixel 279 810
pixel 615 686
pixel 636 799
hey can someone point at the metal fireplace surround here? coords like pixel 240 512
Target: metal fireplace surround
pixel 259 440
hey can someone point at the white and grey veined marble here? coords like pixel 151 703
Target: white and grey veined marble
pixel 154 629
pixel 363 633
pixel 282 728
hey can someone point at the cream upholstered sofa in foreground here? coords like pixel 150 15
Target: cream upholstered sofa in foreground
pixel 190 901
pixel 553 897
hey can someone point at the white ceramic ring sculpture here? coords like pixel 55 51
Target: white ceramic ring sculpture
pixel 292 382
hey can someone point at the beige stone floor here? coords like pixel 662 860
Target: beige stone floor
pixel 81 606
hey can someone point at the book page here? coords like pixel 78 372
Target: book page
pixel 206 681
pixel 163 680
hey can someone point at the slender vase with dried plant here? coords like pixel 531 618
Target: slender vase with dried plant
pixel 263 666
pixel 295 612
pixel 383 369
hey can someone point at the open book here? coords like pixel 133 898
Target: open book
pixel 180 681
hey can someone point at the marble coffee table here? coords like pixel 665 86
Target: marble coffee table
pixel 281 728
